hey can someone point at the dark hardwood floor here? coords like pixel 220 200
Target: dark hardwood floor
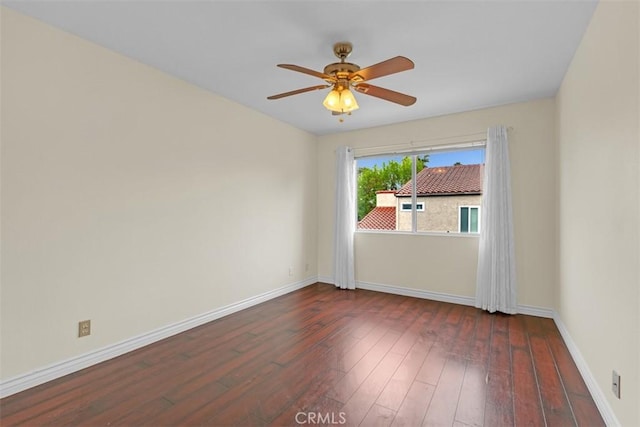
pixel 325 356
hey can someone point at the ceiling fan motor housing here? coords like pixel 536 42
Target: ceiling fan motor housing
pixel 341 70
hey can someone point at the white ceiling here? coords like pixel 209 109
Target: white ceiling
pixel 467 55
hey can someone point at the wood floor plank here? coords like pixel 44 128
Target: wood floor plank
pixel 571 376
pixel 361 370
pixel 194 379
pixel 498 409
pixel 49 402
pixel 455 315
pixel 311 338
pixel 177 413
pixel 140 414
pixel 479 351
pixel 501 323
pixel 463 340
pixel 585 411
pixel 414 406
pixel 77 382
pixel 204 405
pixel 442 409
pixel 374 358
pixel 517 332
pixel 527 405
pixel 364 397
pixel 400 383
pixel 471 404
pixel 433 365
pixel 362 347
pixel 557 410
pixel 479 348
pixel 439 318
pixel 290 384
pixel 242 367
pixel 484 326
pixel 92 401
pixel 500 352
pixel 310 400
pixel 110 402
pixel 379 416
pixel 408 338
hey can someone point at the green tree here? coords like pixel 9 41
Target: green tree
pixel 391 175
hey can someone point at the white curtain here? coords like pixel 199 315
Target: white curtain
pixel 496 280
pixel 343 268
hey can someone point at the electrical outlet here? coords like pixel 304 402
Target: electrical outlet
pixel 306 267
pixel 84 328
pixel 290 271
pixel 615 383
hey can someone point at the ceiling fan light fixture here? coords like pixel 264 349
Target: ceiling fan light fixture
pixel 341 76
pixel 340 101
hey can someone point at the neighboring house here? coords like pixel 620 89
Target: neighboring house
pixel 383 216
pixel 447 200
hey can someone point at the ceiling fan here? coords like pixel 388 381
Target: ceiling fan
pixel 344 75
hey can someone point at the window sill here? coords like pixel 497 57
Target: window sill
pixel 419 233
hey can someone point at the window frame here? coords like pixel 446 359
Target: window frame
pixel 414 153
pixel 419 207
pixel 478 207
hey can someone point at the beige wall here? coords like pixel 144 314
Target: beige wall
pixel 441 213
pixel 598 138
pixel 114 182
pixel 449 262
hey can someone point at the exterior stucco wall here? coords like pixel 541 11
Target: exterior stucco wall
pixel 386 198
pixel 440 212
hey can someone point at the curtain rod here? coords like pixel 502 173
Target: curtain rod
pixel 460 141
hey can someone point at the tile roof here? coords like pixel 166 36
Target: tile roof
pixel 379 218
pixel 461 179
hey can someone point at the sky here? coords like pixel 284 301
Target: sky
pixel 466 157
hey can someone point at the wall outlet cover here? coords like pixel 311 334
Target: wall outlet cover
pixel 615 383
pixel 84 328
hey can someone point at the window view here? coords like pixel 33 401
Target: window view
pixel 448 192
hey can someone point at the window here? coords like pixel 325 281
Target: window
pixel 469 219
pixel 407 207
pixel 445 197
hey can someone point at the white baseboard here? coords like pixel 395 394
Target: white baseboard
pixel 417 293
pixel 439 296
pixel 59 369
pixel 325 279
pixel 74 364
pixel 531 310
pixel 596 392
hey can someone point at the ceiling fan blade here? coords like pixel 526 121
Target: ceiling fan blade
pixel 295 92
pixel 307 71
pixel 384 68
pixel 386 94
